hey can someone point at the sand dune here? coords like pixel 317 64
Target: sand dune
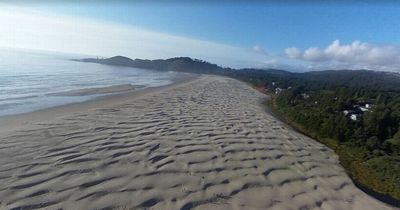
pixel 204 144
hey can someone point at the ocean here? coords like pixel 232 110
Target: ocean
pixel 30 81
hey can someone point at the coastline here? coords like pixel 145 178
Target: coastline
pixel 112 89
pixel 13 122
pixel 208 138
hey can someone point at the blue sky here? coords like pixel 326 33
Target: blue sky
pixel 269 28
pixel 272 26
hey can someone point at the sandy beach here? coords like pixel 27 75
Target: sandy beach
pixel 205 143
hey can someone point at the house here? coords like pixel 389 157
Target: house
pixel 364 107
pixel 305 96
pixel 278 90
pixel 355 117
pixel 354 114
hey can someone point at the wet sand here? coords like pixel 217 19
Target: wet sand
pixel 95 91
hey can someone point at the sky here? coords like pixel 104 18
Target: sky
pixel 294 35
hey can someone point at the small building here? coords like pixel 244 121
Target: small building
pixel 355 117
pixel 305 96
pixel 278 91
pixel 354 114
pixel 364 107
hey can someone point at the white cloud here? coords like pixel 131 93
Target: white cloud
pixel 24 28
pixel 313 54
pixel 259 49
pixel 293 52
pixel 354 56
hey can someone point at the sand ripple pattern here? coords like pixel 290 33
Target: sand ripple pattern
pixel 206 144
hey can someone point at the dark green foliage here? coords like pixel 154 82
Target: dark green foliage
pixel 370 145
pixel 183 64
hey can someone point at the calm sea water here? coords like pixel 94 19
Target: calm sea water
pixel 27 78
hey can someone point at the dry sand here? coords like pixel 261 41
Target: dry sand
pixel 203 144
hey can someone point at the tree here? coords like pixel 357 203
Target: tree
pixel 372 143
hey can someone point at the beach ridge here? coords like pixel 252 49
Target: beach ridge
pixel 206 143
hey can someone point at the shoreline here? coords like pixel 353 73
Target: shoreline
pixel 103 90
pixel 14 121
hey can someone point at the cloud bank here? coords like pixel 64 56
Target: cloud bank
pixel 24 28
pixel 357 55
